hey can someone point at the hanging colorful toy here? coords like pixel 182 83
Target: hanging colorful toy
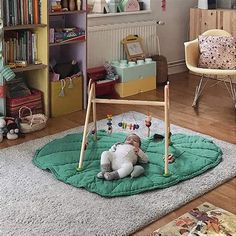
pixel 130 126
pixel 148 123
pixel 163 5
pixel 109 124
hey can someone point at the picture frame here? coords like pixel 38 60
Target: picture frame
pixel 133 47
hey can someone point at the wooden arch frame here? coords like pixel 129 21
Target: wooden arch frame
pixel 92 101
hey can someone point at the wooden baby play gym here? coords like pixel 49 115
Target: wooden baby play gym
pixel 92 101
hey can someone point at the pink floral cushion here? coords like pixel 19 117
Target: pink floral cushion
pixel 217 52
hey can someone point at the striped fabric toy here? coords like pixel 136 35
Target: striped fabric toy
pixel 7 73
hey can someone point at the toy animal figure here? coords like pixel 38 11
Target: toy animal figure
pixel 121 159
pixel 109 124
pixel 13 129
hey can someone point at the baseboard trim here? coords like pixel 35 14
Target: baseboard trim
pixel 175 67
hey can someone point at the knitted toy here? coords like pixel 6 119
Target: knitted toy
pixel 7 73
pixel 120 161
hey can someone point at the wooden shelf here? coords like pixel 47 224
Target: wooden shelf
pixel 22 27
pixel 68 42
pixel 66 13
pixel 30 67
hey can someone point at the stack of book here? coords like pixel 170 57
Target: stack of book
pixel 22 12
pixel 20 45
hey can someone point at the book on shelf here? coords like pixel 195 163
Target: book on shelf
pixel 22 12
pixel 20 46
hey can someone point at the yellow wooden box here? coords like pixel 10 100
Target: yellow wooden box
pixel 133 87
pixel 72 99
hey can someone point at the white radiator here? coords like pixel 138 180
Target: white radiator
pixel 104 41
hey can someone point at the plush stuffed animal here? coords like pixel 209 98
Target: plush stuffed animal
pixel 2 128
pixel 13 129
pixel 120 161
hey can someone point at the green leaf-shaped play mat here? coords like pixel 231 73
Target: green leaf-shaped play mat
pixel 193 156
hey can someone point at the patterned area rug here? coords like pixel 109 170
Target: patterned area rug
pixel 206 219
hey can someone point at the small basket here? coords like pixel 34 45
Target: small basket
pixel 32 122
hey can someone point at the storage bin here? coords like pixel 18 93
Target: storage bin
pixel 33 101
pixel 103 86
pixel 66 96
pixel 135 72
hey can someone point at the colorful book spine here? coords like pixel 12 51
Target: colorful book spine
pixel 36 11
pixel 18 12
pixel 21 45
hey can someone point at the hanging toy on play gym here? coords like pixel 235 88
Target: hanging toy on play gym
pixel 130 126
pixel 148 123
pixel 109 123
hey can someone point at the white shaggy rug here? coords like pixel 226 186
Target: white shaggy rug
pixel 33 202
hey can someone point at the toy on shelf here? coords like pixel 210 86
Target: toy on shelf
pixel 64 5
pixel 72 5
pixel 56 6
pixel 129 5
pixel 148 123
pixel 109 124
pixel 7 73
pixel 114 6
pixel 100 6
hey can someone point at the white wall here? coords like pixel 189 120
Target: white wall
pixel 172 35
